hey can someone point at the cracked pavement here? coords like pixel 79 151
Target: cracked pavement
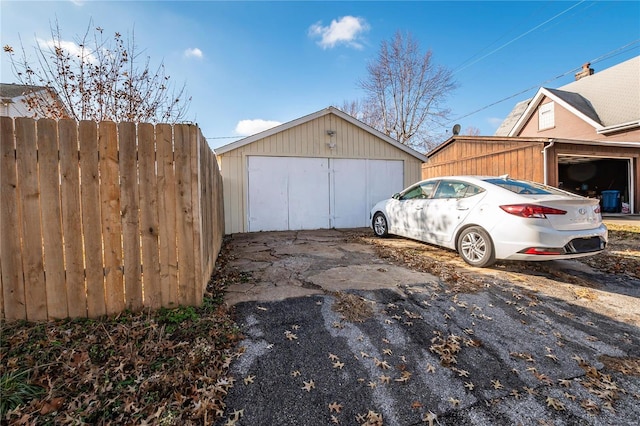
pixel 335 334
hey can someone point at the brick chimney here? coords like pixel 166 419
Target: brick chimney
pixel 586 71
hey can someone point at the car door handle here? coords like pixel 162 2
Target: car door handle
pixel 418 208
pixel 462 208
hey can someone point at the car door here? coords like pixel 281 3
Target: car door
pixel 448 208
pixel 406 214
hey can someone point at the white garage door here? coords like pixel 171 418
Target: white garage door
pixel 293 193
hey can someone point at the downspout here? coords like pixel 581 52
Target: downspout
pixel 544 160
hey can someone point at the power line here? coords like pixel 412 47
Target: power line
pixel 519 37
pixel 572 71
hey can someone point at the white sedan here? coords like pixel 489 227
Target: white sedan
pixel 489 218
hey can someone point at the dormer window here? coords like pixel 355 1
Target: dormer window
pixel 546 116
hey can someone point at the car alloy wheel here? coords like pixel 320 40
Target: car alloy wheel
pixel 475 247
pixel 380 227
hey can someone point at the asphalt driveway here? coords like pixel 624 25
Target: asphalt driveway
pixel 336 334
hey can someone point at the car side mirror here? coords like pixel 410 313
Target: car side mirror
pixel 396 196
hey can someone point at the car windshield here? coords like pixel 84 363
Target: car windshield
pixel 522 187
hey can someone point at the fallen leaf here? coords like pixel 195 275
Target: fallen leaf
pixel 334 406
pixel 556 404
pixel 309 385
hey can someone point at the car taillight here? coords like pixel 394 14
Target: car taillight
pixel 596 209
pixel 531 210
pixel 542 251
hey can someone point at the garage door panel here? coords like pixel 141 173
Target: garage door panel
pixel 385 178
pixel 294 193
pixel 308 193
pixel 350 193
pixel 268 198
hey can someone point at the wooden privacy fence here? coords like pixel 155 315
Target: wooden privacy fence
pixel 102 217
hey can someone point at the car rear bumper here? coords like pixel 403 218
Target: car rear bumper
pixel 542 243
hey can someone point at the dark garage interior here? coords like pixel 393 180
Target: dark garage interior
pixel 591 176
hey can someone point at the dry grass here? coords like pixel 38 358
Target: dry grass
pixel 165 367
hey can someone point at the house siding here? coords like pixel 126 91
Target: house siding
pixel 567 125
pixel 308 139
pixel 521 160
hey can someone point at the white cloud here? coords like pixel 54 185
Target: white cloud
pixel 69 46
pixel 193 53
pixel 251 127
pixel 346 30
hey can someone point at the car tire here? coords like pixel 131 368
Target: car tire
pixel 380 225
pixel 475 247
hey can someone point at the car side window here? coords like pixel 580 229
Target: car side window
pixel 446 189
pixel 472 190
pixel 427 189
pixel 412 193
pixel 452 189
pixel 419 192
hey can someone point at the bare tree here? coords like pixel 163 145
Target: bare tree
pixel 97 78
pixel 363 110
pixel 472 131
pixel 407 91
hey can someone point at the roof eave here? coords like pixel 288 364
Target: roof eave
pixel 329 110
pixel 452 139
pixel 596 143
pixel 619 127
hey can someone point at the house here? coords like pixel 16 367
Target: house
pixel 324 170
pixel 583 137
pixel 14 100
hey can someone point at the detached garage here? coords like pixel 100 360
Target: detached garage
pixel 324 170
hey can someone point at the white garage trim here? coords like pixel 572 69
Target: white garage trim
pixel 294 193
pixel 630 171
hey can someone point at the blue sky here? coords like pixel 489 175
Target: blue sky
pixel 247 63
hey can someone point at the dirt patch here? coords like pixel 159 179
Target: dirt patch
pixel 352 307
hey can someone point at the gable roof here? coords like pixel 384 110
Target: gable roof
pixel 570 101
pixel 330 110
pixel 608 100
pixel 10 91
pixel 512 118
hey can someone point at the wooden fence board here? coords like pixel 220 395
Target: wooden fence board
pixel 196 194
pixel 71 218
pixel 149 216
pixel 129 208
pixel 51 218
pixel 208 207
pixel 13 297
pixel 98 218
pixel 184 216
pixel 91 218
pixel 111 225
pixel 33 262
pixel 167 216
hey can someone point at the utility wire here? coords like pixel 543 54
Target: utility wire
pixel 572 71
pixel 518 37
